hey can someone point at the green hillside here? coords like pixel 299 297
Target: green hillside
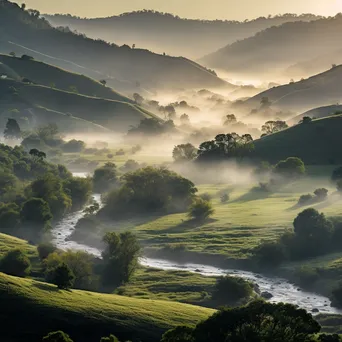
pixel 86 316
pixel 51 76
pixel 317 113
pixel 114 115
pixel 318 142
pixel 64 48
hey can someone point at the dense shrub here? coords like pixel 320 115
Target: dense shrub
pixel 79 189
pixel 105 178
pixel 63 277
pixel 200 210
pixel 269 254
pixel 306 199
pixel 73 146
pixel 45 249
pixel 230 290
pixel 16 263
pixel 292 167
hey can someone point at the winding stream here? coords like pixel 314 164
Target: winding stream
pixel 281 289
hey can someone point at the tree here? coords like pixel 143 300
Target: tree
pixel 229 290
pixel 265 103
pixel 16 263
pixel 200 210
pixel 27 58
pixel 74 146
pixel 38 155
pixel 57 336
pixel 23 6
pixel 269 254
pixel 170 111
pixel 184 119
pixel 12 54
pixel 45 249
pixel 229 119
pixel 147 126
pixel 63 277
pixel 103 82
pixel 184 152
pixel 314 231
pixel 120 257
pixel 12 129
pixel 271 127
pixel 306 120
pixel 105 178
pixel 292 167
pixel 138 99
pixel 321 194
pixel 36 212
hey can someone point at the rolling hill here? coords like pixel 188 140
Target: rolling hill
pixel 62 107
pixel 61 47
pixel 86 316
pixel 271 51
pixel 319 90
pixel 164 32
pixel 317 142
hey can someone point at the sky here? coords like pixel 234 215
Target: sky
pixel 203 9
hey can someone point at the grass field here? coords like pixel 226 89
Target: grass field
pixel 84 315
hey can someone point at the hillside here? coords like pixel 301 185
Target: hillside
pixel 319 90
pixel 317 142
pixel 51 76
pixel 114 115
pixel 86 316
pixel 164 32
pixel 270 52
pixel 317 113
pixel 140 68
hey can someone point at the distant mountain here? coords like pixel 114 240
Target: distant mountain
pixel 319 90
pixel 317 142
pixel 271 51
pixel 134 67
pixel 164 32
pixel 318 113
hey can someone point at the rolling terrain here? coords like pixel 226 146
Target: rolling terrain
pixel 164 32
pixel 138 67
pixel 271 51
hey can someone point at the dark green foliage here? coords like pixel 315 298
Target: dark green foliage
pixel 329 338
pixel 306 199
pixel 230 290
pixel 7 182
pixel 63 277
pixel 152 126
pixel 130 165
pixel 57 336
pixel 271 127
pixel 269 254
pixel 257 322
pixel 229 119
pixel 9 218
pixel 15 263
pixel 12 130
pixel 306 120
pixel 321 194
pixel 74 146
pixel 110 338
pixel 105 178
pixel 79 189
pixel 120 257
pixel 226 146
pixel 200 210
pixel 45 249
pixel 292 167
pixel 149 190
pixel 184 153
pixel 179 334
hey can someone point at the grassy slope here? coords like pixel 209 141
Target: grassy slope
pixel 316 91
pixel 115 115
pixel 316 143
pixel 84 315
pixel 45 74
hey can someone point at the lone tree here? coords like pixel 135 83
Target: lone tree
pixel 274 126
pixel 103 82
pixel 200 210
pixel 12 129
pixel 229 119
pixel 63 277
pixel 184 152
pixel 292 167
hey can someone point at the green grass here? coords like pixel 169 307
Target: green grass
pixel 86 316
pixel 180 286
pixel 317 142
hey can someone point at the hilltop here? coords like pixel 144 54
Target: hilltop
pixel 62 106
pixel 86 316
pixel 317 142
pixel 316 91
pixel 271 51
pixel 164 32
pixel 25 30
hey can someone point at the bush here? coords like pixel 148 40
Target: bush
pixel 200 210
pixel 45 249
pixel 105 178
pixel 321 194
pixel 305 199
pixel 224 198
pixel 306 276
pixel 74 146
pixel 63 277
pixel 16 263
pixel 269 254
pixel 232 289
pixel 292 167
pixel 57 336
pixel 206 197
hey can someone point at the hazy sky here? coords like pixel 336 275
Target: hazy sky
pixel 207 9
